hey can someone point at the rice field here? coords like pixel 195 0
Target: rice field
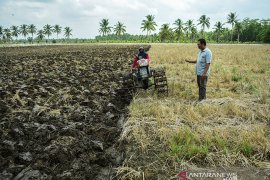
pixel 230 130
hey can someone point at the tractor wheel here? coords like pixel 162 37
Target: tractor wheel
pixel 128 86
pixel 160 81
pixel 145 83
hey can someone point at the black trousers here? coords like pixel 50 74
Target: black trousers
pixel 202 87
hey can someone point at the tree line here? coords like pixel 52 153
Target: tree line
pixel 29 31
pixel 247 30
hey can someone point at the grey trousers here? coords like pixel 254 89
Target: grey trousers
pixel 202 87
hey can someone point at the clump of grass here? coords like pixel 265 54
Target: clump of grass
pixel 246 148
pixel 236 76
pixel 186 145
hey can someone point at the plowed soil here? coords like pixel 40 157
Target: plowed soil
pixel 62 110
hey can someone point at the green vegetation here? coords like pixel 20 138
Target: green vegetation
pixel 31 34
pixel 189 145
pixel 186 145
pixel 247 30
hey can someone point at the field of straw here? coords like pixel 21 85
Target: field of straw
pixel 228 130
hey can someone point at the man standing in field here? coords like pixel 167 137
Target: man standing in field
pixel 202 68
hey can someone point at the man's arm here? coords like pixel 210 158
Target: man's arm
pixel 206 69
pixel 135 63
pixel 147 57
pixel 191 61
pixel 208 61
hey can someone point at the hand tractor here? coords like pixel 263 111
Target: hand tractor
pixel 145 77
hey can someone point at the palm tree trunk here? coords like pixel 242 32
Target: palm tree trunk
pixel 238 36
pixel 232 34
pixel 203 32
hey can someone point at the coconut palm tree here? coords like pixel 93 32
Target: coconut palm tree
pixel 231 19
pixel 7 34
pixel 15 31
pixel 68 32
pixel 193 33
pixel 149 24
pixel 24 30
pixel 238 29
pixel 47 30
pixel 32 29
pixel 204 22
pixel 40 34
pixel 119 28
pixel 166 32
pixel 104 27
pixel 179 27
pixel 189 25
pixel 218 29
pixel 57 29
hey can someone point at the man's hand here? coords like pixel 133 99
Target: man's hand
pixel 203 77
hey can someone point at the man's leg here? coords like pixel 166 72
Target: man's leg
pixel 199 86
pixel 202 87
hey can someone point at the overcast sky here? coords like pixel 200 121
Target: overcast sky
pixel 83 16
